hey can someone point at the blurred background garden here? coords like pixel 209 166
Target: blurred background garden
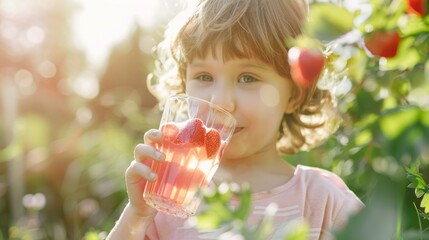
pixel 74 103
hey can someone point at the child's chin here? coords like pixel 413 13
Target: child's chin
pixel 233 151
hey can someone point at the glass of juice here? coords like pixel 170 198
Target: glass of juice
pixel 195 134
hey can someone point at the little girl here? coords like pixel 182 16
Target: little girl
pixel 234 54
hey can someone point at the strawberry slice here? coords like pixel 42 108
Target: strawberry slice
pixel 169 131
pixel 212 142
pixel 194 132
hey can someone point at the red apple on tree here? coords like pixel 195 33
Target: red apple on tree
pixel 417 7
pixel 383 43
pixel 305 64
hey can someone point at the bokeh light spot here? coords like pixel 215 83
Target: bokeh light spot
pixel 36 201
pixel 129 108
pixel 83 115
pixel 47 69
pixel 88 207
pixel 35 35
pixel 25 81
pixel 8 30
pixel 86 85
pixel 23 78
pixel 269 95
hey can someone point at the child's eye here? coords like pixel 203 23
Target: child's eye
pixel 247 79
pixel 204 78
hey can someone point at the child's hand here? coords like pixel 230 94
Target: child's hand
pixel 138 172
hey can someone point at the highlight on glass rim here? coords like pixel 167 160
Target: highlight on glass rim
pixel 329 101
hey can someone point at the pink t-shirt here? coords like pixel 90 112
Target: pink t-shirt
pixel 314 195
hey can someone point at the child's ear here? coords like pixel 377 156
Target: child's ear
pixel 295 100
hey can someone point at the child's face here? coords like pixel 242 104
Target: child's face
pixel 252 91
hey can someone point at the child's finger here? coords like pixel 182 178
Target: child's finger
pixel 151 136
pixel 144 151
pixel 137 170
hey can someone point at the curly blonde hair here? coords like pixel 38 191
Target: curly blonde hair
pixel 245 29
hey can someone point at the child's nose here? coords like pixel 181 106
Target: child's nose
pixel 224 98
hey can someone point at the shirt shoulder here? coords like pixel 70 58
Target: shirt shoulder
pixel 321 183
pixel 320 177
pixel 326 190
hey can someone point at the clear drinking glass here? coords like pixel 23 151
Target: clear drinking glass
pixel 195 134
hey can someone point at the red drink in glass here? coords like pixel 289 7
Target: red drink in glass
pixel 193 151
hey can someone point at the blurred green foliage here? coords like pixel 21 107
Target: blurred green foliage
pixel 73 149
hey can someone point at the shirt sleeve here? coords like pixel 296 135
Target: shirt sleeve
pixel 349 206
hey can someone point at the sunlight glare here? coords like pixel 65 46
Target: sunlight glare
pixel 86 85
pixel 100 24
pixel 25 82
pixel 84 115
pixel 35 35
pixel 47 69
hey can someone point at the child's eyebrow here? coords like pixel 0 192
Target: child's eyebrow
pixel 252 65
pixel 201 64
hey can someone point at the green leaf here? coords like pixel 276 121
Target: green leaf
pixel 245 197
pixel 425 203
pixel 323 22
pixel 426 76
pixel 414 26
pixel 12 151
pixel 299 231
pixel 34 130
pixel 394 123
pixel 208 221
pixel 406 58
pixel 91 235
pixel 357 65
pixel 363 137
pixel 218 212
pixel 417 181
pixel 425 118
pixel 400 87
pixel 423 215
pixel 384 16
pixel 366 104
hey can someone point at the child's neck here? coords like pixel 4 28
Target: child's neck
pixel 262 172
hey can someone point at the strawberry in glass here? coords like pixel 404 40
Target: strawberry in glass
pixel 191 150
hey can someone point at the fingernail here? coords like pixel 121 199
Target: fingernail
pixel 156 134
pixel 159 155
pixel 152 176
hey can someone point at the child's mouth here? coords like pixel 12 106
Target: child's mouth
pixel 237 130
